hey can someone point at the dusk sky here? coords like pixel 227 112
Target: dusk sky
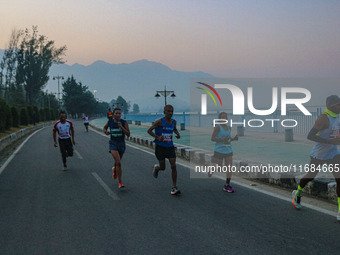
pixel 234 38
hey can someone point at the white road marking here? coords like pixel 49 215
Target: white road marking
pixel 106 188
pixel 254 188
pixel 16 151
pixel 78 154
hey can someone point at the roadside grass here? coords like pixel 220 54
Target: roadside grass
pixel 16 129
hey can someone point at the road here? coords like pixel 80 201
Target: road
pixel 45 210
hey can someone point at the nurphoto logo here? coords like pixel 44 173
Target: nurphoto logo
pixel 238 99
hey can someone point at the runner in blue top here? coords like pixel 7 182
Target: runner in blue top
pixel 118 129
pixel 164 128
pixel 326 135
pixel 223 150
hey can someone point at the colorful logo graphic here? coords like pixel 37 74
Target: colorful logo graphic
pixel 239 99
pixel 208 92
pixel 204 96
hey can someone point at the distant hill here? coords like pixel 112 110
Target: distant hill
pixel 136 82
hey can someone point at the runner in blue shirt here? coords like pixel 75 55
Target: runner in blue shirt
pixel 164 128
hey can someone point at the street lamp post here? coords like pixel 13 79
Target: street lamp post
pixel 165 93
pixel 58 77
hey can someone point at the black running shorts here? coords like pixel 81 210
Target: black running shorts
pixel 164 152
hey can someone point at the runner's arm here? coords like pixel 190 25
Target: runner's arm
pixel 72 134
pixel 320 124
pixel 55 137
pixel 235 138
pixel 126 129
pixel 157 124
pixel 176 131
pixel 105 129
pixel 214 134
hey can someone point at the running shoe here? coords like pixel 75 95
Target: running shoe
pixel 296 200
pixel 121 185
pixel 64 167
pixel 228 188
pixel 114 175
pixel 175 191
pixel 155 172
pixel 338 216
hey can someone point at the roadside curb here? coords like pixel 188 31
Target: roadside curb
pixel 320 187
pixel 11 138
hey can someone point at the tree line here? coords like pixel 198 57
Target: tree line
pixel 24 71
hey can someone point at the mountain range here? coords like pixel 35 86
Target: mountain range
pixel 136 82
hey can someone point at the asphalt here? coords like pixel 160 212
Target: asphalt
pixel 45 210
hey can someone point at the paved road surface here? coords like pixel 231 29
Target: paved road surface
pixel 44 210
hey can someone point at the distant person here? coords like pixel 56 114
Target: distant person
pixel 118 129
pixel 109 114
pixel 65 131
pixel 86 122
pixel 223 149
pixel 325 134
pixel 164 128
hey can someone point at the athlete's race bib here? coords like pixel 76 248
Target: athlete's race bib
pixel 116 132
pixel 167 137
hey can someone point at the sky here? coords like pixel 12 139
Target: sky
pixel 226 38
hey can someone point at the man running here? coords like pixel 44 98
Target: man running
pixel 118 129
pixel 164 145
pixel 223 149
pixel 325 133
pixel 65 131
pixel 109 114
pixel 86 122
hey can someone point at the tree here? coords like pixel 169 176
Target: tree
pixel 29 110
pixel 135 108
pixel 34 57
pixel 51 101
pixel 47 113
pixel 3 115
pixel 102 107
pixel 112 103
pixel 11 91
pixel 15 117
pixel 77 98
pixel 122 104
pixel 23 117
pixel 8 124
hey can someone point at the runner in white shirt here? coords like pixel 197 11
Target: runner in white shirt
pixel 86 122
pixel 65 131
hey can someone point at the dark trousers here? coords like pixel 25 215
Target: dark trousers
pixel 66 148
